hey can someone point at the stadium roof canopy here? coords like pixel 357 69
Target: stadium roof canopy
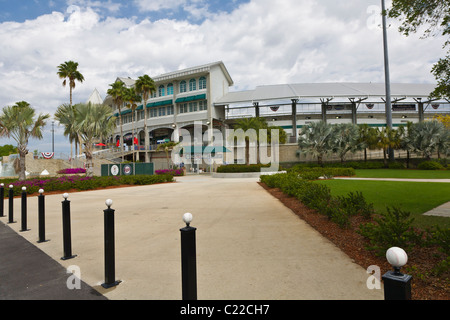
pixel 316 91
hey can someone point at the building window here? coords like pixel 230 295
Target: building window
pixel 192 85
pixel 162 91
pixel 192 106
pixel 169 110
pixel 153 112
pixel 202 83
pixel 183 108
pixel 182 86
pixel 170 89
pixel 202 105
pixel 140 115
pixel 162 111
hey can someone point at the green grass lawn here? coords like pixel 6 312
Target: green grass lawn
pixel 403 173
pixel 415 197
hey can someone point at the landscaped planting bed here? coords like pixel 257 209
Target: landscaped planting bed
pixel 364 235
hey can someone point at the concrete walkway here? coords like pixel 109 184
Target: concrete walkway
pixel 249 245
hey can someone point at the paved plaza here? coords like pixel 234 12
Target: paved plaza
pixel 249 245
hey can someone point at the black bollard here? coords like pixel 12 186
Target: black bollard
pixel 67 237
pixel 397 286
pixel 110 268
pixel 2 198
pixel 24 210
pixel 41 216
pixel 188 260
pixel 11 204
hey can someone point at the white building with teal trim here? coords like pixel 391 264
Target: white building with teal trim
pixel 182 98
pixel 202 95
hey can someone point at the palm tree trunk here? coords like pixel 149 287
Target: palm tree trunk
pixel 132 134
pixel 121 134
pixel 89 162
pixel 146 138
pixel 319 160
pixel 22 168
pixel 247 151
pixel 407 159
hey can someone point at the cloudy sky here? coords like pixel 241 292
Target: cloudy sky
pixel 260 42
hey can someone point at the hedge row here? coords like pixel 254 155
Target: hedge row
pixel 318 196
pixel 237 168
pixel 81 183
pixel 382 230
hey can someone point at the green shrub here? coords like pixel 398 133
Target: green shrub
pixel 318 197
pixel 396 165
pixel 355 204
pixel 391 229
pixel 237 168
pixel 430 165
pixel 341 217
pixel 441 238
pixel 66 183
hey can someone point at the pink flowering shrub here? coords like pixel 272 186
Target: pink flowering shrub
pixel 72 171
pixel 173 172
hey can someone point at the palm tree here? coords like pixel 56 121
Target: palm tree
pixel 345 139
pixel 405 135
pixel 146 87
pixel 93 121
pixel 131 97
pixel 166 147
pixel 69 71
pixel 429 137
pixel 248 128
pixel 316 139
pixel 18 122
pixel 66 116
pixel 388 139
pixel 368 137
pixel 117 93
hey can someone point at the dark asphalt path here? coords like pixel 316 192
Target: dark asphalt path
pixel 27 273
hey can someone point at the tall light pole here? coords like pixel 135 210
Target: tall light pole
pixel 387 75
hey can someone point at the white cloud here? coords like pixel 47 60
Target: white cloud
pixel 262 42
pixel 155 5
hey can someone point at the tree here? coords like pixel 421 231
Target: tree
pixel 405 140
pixel 248 129
pixel 345 138
pixel 368 138
pixel 117 93
pixel 166 147
pixel 316 139
pixel 69 71
pixel 65 114
pixel 434 15
pixel 7 150
pixel 93 121
pixel 441 71
pixel 18 121
pixel 131 98
pixel 145 86
pixel 430 137
pixel 445 119
pixel 388 139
